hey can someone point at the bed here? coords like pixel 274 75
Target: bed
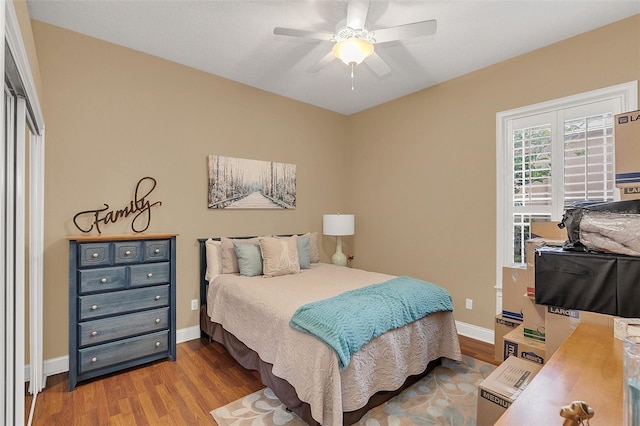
pixel 250 316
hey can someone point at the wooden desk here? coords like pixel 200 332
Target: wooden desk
pixel 587 367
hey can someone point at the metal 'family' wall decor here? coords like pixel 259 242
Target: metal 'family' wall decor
pixel 140 207
pixel 238 183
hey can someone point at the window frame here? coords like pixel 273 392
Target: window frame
pixel 626 97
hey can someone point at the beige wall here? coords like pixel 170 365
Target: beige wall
pixel 114 115
pixel 27 37
pixel 419 172
pixel 423 168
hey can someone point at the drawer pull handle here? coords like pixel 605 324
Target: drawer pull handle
pixel 156 251
pixel 104 280
pixel 157 344
pixel 94 307
pixel 157 320
pixel 94 359
pixel 94 333
pixel 94 255
pixel 127 253
pixel 158 297
pixel 149 275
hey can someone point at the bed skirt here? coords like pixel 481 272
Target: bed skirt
pixel 250 360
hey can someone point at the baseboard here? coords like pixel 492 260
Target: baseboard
pixel 473 331
pixel 189 333
pixel 61 364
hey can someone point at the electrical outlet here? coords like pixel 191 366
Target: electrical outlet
pixel 194 305
pixel 469 304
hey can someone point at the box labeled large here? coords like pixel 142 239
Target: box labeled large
pixel 559 323
pixel 502 326
pixel 515 344
pixel 498 391
pixel 627 148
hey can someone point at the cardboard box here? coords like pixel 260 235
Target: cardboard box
pixel 502 326
pixel 515 344
pixel 548 230
pixel 533 319
pixel 631 193
pixel 503 386
pixel 623 327
pixel 596 318
pixel 627 147
pixel 514 284
pixel 559 323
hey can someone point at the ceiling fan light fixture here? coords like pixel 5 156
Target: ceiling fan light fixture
pixel 353 50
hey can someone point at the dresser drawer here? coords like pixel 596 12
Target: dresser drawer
pixel 94 254
pixel 149 274
pixel 156 251
pixel 118 302
pixel 127 252
pixel 103 330
pixel 113 353
pixel 102 279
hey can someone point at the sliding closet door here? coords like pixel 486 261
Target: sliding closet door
pixel 12 235
pixel 12 267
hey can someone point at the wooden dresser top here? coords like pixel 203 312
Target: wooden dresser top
pixel 588 367
pixel 119 237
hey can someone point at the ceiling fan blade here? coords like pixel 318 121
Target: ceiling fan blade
pixel 416 29
pixel 291 32
pixel 357 11
pixel 378 65
pixel 323 62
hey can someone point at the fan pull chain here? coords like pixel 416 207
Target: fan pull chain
pixel 352 66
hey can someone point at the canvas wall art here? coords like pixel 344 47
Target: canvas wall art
pixel 239 183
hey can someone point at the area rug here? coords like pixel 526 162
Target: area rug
pixel 447 396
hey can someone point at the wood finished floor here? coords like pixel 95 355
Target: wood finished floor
pixel 204 377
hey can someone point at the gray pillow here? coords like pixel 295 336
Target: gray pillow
pixel 249 258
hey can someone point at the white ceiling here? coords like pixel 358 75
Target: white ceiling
pixel 234 39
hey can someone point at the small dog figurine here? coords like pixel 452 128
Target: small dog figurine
pixel 576 413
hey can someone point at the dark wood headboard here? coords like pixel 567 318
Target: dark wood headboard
pixel 203 269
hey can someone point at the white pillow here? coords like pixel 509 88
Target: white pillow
pixel 213 252
pixel 279 256
pixel 229 258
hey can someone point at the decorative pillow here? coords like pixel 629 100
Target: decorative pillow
pixel 213 251
pixel 249 258
pixel 279 256
pixel 229 259
pixel 303 251
pixel 314 253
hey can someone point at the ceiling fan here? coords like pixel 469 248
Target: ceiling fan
pixel 353 42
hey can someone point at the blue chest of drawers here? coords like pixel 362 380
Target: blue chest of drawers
pixel 122 303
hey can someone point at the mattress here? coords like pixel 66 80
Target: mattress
pixel 257 310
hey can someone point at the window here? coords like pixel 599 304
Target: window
pixel 550 155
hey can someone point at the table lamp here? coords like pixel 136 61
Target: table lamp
pixel 338 225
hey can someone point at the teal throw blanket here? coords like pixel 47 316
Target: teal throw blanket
pixel 349 320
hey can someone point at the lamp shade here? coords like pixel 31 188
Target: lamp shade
pixel 338 224
pixel 353 50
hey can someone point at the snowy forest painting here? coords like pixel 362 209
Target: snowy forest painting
pixel 238 183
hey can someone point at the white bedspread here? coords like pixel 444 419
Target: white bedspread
pixel 257 311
